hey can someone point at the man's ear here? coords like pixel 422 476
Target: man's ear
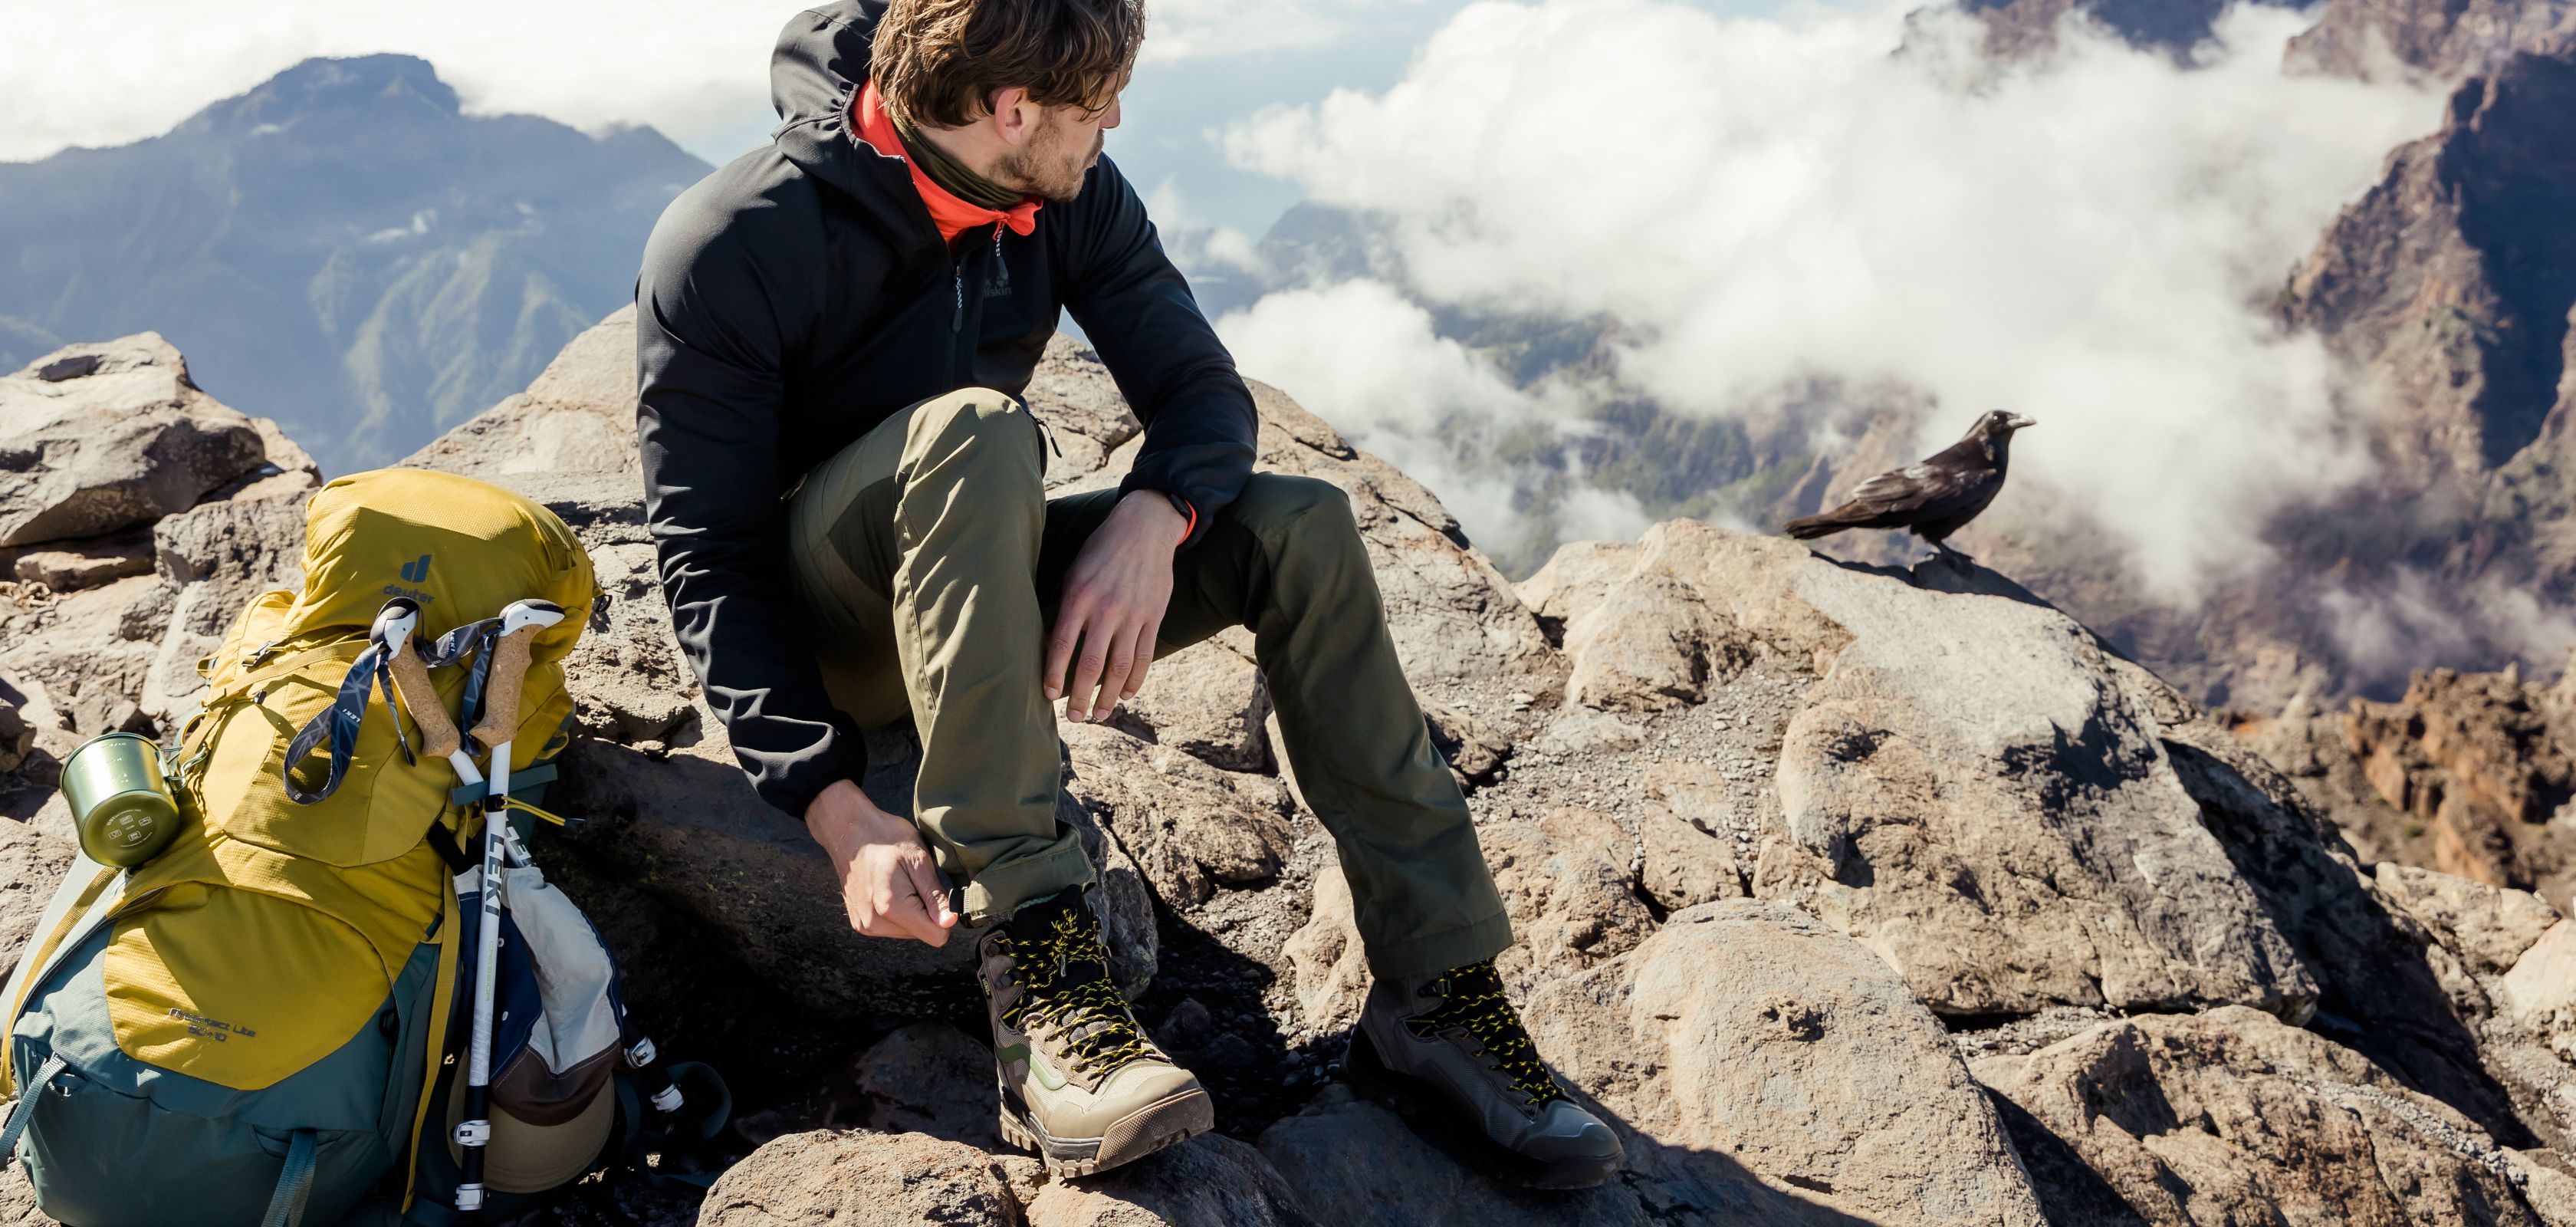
pixel 1011 113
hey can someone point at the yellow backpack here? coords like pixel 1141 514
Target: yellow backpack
pixel 252 974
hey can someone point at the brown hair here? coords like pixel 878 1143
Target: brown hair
pixel 938 62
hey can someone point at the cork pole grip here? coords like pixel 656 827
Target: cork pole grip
pixel 411 681
pixel 501 689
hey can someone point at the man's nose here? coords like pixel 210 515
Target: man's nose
pixel 1111 119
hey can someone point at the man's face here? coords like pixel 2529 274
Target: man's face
pixel 1061 146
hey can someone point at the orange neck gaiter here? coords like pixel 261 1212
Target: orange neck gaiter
pixel 951 215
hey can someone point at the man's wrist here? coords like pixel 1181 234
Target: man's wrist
pixel 1181 520
pixel 835 801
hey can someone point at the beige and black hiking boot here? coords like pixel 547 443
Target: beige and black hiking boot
pixel 1081 1085
pixel 1449 1054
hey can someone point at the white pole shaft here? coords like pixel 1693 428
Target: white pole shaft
pixel 488 937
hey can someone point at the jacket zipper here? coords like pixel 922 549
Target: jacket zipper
pixel 957 298
pixel 957 319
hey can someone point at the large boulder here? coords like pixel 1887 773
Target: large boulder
pixel 1747 1046
pixel 97 438
pixel 2507 963
pixel 1209 1179
pixel 849 1179
pixel 1969 788
pixel 2233 1117
pixel 215 557
pixel 112 603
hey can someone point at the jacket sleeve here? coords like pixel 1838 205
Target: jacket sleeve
pixel 1167 361
pixel 708 353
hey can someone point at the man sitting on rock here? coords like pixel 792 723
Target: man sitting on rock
pixel 832 333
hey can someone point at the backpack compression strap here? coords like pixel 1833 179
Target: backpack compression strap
pixel 294 1183
pixel 27 1097
pixel 339 723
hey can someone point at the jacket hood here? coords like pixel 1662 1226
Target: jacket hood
pixel 814 76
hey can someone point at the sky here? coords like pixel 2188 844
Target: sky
pixel 105 72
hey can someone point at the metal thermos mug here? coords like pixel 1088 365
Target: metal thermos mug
pixel 121 799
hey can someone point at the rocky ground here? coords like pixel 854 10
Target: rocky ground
pixel 1852 894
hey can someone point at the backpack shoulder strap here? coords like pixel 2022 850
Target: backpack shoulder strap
pixel 81 912
pixel 449 939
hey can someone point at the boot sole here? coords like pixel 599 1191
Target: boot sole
pixel 1166 1122
pixel 1427 1112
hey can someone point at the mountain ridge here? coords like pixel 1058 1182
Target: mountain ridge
pixel 342 244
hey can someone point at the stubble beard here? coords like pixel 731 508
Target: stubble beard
pixel 1045 168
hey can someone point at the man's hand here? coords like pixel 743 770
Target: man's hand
pixel 1113 604
pixel 888 885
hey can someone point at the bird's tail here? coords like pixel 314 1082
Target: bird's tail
pixel 1808 528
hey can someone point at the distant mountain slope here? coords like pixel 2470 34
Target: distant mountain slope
pixel 2443 39
pixel 341 248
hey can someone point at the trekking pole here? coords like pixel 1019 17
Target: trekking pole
pixel 394 630
pixel 520 622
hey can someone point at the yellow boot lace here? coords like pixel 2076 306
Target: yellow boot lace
pixel 1065 986
pixel 1472 1001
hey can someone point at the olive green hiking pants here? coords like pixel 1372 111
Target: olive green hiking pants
pixel 927 558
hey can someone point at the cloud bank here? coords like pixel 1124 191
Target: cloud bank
pixel 1367 359
pixel 2092 242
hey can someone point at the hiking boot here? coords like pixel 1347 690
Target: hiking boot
pixel 1450 1055
pixel 1081 1085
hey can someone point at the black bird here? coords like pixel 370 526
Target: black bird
pixel 1934 498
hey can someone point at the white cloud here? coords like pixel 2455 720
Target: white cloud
pixel 1361 357
pixel 1775 198
pixel 1198 244
pixel 2413 622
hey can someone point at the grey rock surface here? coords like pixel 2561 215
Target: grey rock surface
pixel 1194 829
pixel 97 438
pixel 2233 1117
pixel 91 650
pixel 1761 822
pixel 1969 789
pixel 1208 1179
pixel 1747 1041
pixel 68 566
pixel 855 1179
pixel 1206 701
pixel 215 557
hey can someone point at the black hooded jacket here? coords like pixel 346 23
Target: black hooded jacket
pixel 799 296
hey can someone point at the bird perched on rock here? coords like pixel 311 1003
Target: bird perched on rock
pixel 1934 498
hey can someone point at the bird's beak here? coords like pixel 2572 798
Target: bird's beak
pixel 2018 422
